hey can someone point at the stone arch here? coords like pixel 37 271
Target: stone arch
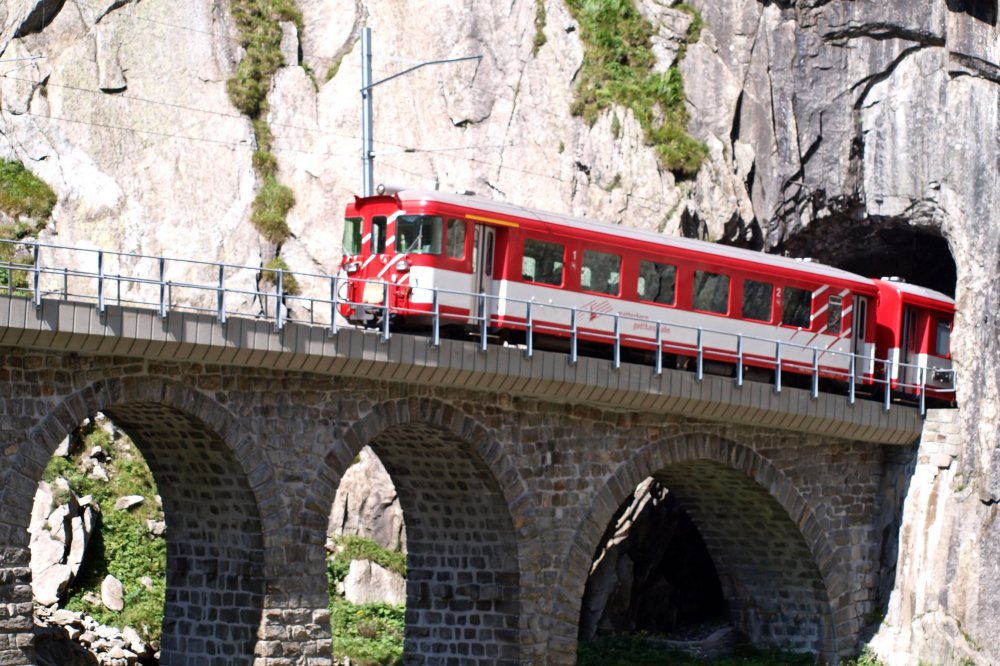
pixel 695 466
pixel 212 478
pixel 465 512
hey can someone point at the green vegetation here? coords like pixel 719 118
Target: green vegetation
pixel 289 284
pixel 370 634
pixel 259 25
pixel 866 658
pixel 27 201
pixel 24 194
pixel 618 69
pixel 122 546
pixel 540 18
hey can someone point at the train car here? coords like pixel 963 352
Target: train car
pixel 514 267
pixel 914 336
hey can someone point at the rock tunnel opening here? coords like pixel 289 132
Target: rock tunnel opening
pixel 461 572
pixel 183 545
pixel 919 255
pixel 749 575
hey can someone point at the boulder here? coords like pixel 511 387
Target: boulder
pixel 368 582
pixel 128 501
pixel 112 593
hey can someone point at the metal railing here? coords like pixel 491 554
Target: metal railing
pixel 37 271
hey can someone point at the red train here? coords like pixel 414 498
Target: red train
pixel 493 267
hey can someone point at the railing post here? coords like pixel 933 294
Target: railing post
pixel 163 289
pixel 222 294
pixel 852 379
pixel 923 390
pixel 529 331
pixel 334 295
pixel 777 366
pixel 886 399
pixel 100 281
pixel 385 312
pixel 700 362
pixel 436 322
pixel 65 283
pixel 573 338
pixel 659 348
pixel 36 279
pixel 618 342
pixel 815 377
pixel 739 359
pixel 279 287
pixel 483 323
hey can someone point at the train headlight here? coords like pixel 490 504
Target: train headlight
pixel 402 265
pixel 353 267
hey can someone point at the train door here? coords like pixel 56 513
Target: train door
pixel 483 244
pixel 859 333
pixel 909 351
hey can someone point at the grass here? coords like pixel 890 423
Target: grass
pixel 122 546
pixel 618 70
pixel 369 634
pixel 259 25
pixel 289 285
pixel 540 18
pixel 24 194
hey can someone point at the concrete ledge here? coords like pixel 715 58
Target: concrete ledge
pixel 199 338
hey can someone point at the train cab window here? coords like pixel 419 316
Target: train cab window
pixel 601 272
pixel 419 234
pixel 942 342
pixel 657 282
pixel 455 239
pixel 352 236
pixel 378 234
pixel 797 308
pixel 834 314
pixel 757 300
pixel 542 262
pixel 711 292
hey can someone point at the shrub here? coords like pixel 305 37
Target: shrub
pixel 23 193
pixel 270 209
pixel 289 285
pixel 618 69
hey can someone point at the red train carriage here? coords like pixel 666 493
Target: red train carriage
pixel 509 265
pixel 914 336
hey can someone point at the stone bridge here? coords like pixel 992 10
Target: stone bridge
pixel 509 470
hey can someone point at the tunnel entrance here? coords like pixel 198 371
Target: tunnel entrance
pixel 884 248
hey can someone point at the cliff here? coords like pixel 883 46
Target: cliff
pixel 863 134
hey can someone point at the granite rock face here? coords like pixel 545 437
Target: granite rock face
pixel 863 134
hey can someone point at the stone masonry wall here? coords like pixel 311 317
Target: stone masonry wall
pixel 505 501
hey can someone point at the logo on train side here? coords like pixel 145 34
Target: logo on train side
pixel 597 307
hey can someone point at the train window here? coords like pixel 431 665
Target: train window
pixel 419 234
pixel 657 282
pixel 757 300
pixel 455 239
pixel 601 272
pixel 542 262
pixel 834 313
pixel 378 234
pixel 797 307
pixel 711 292
pixel 942 343
pixel 352 236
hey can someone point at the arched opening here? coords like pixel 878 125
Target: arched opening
pixel 878 249
pixel 462 581
pixel 750 572
pixel 214 590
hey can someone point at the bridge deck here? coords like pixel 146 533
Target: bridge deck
pixel 200 338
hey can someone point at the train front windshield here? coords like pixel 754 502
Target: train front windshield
pixel 419 234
